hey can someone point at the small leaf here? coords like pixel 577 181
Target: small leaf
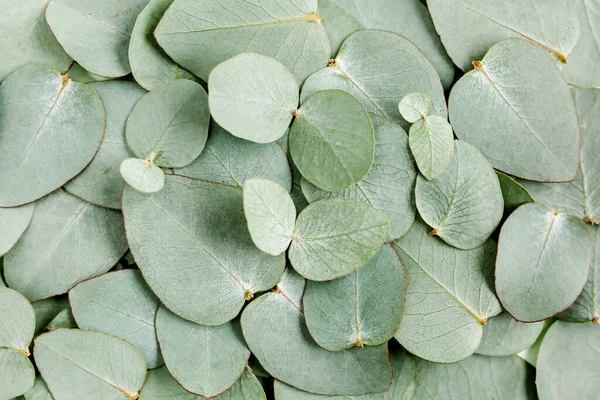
pixel 504 336
pixel 248 387
pixel 17 321
pixel 39 391
pixel 415 106
pixel 142 175
pixel 432 144
pixel 13 221
pixel 513 193
pixel 46 309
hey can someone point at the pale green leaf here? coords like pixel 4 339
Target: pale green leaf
pixel 160 385
pixel 46 309
pixel 39 391
pixel 78 74
pixel 142 175
pixel 530 354
pixel 414 107
pixel 17 321
pixel 17 374
pixel 247 387
pixel 581 69
pixel 62 320
pixel 432 144
pixel 13 222
pixel 513 193
pixel 504 336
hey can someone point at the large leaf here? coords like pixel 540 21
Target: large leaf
pixel 501 108
pixel 253 97
pixel 96 34
pixel 203 265
pixel 331 140
pixel 205 360
pixel 169 125
pixel 50 129
pixel 275 331
pixel 450 296
pixel 201 35
pixel 13 221
pixel 464 204
pixel 379 79
pixel 229 160
pixel 568 361
pixel 69 240
pixel 504 336
pixel 354 232
pixel 432 144
pixel 26 38
pixel 408 18
pixel 468 28
pixel 362 308
pixel 543 262
pixel 101 183
pixel 119 303
pixel 150 66
pixel 87 364
pixel 389 185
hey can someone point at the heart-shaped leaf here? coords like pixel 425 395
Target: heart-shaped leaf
pixel 142 175
pixel 580 70
pixel 14 221
pixel 432 144
pixel 504 336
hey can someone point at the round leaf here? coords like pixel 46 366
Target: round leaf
pixel 68 241
pixel 414 107
pixel 142 175
pixel 495 109
pixel 119 303
pixel 362 308
pixel 580 70
pixel 331 140
pixel 205 360
pixel 253 97
pixel 17 374
pixel 169 125
pixel 503 336
pixel 543 262
pixel 45 118
pixel 89 364
pixel 354 232
pixel 17 321
pixel 13 221
pixel 203 266
pixel 464 204
pixel 432 144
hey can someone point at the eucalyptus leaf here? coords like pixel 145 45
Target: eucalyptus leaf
pixel 464 204
pixel 504 336
pixel 432 144
pixel 203 266
pixel 351 237
pixel 17 374
pixel 121 304
pixel 450 296
pixel 150 66
pixel 499 108
pixel 89 364
pixel 389 185
pixel 13 222
pixel 62 320
pixel 298 360
pixel 169 125
pixel 253 97
pixel 45 116
pixel 39 391
pixel 379 79
pixel 200 36
pixel 95 34
pixel 204 360
pixel 247 387
pixel 543 262
pixel 513 193
pixel 69 240
pixel 414 107
pixel 46 309
pixel 530 354
pixel 331 140
pixel 78 74
pixel 142 175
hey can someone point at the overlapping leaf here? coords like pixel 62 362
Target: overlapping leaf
pixel 14 221
pixel 504 336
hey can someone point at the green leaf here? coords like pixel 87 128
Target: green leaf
pixel 26 38
pixel 203 266
pixel 567 362
pixel 17 373
pixel 150 66
pixel 513 193
pixel 78 74
pixel 331 140
pixel 100 182
pixel 200 36
pixel 95 34
pixel 275 331
pixel 362 308
pixel 580 69
pixel 45 311
pixel 89 364
pixel 450 296
pixel 408 18
pixel 39 391
pixel 495 108
pixel 17 321
pixel 543 262
pixel 253 97
pixel 354 232
pixel 432 144
pixel 464 204
pixel 204 360
pixel 468 28
pixel 121 304
pixel 142 175
pixel 13 221
pixel 504 336
pixel 530 354
pixel 169 125
pixel 62 320
pixel 247 387
pixel 390 183
pixel 271 215
pixel 229 160
pixel 44 117
pixel 414 107
pixel 379 79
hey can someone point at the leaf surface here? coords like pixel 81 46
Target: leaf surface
pixel 14 221
pixel 17 321
pixel 432 144
pixel 504 336
pixel 142 175
pixel 580 69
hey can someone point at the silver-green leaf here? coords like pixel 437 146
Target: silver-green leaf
pixel 415 106
pixel 504 336
pixel 580 70
pixel 142 175
pixel 14 221
pixel 432 144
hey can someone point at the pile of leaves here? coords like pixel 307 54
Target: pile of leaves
pixel 244 199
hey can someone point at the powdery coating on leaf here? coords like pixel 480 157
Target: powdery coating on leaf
pixel 515 107
pixel 581 69
pixel 14 221
pixel 543 262
pixel 415 106
pixel 450 296
pixel 17 321
pixel 142 175
pixel 432 144
pixel 43 114
pixel 200 35
pixel 190 242
pixel 335 237
pixel 503 336
pixel 18 374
